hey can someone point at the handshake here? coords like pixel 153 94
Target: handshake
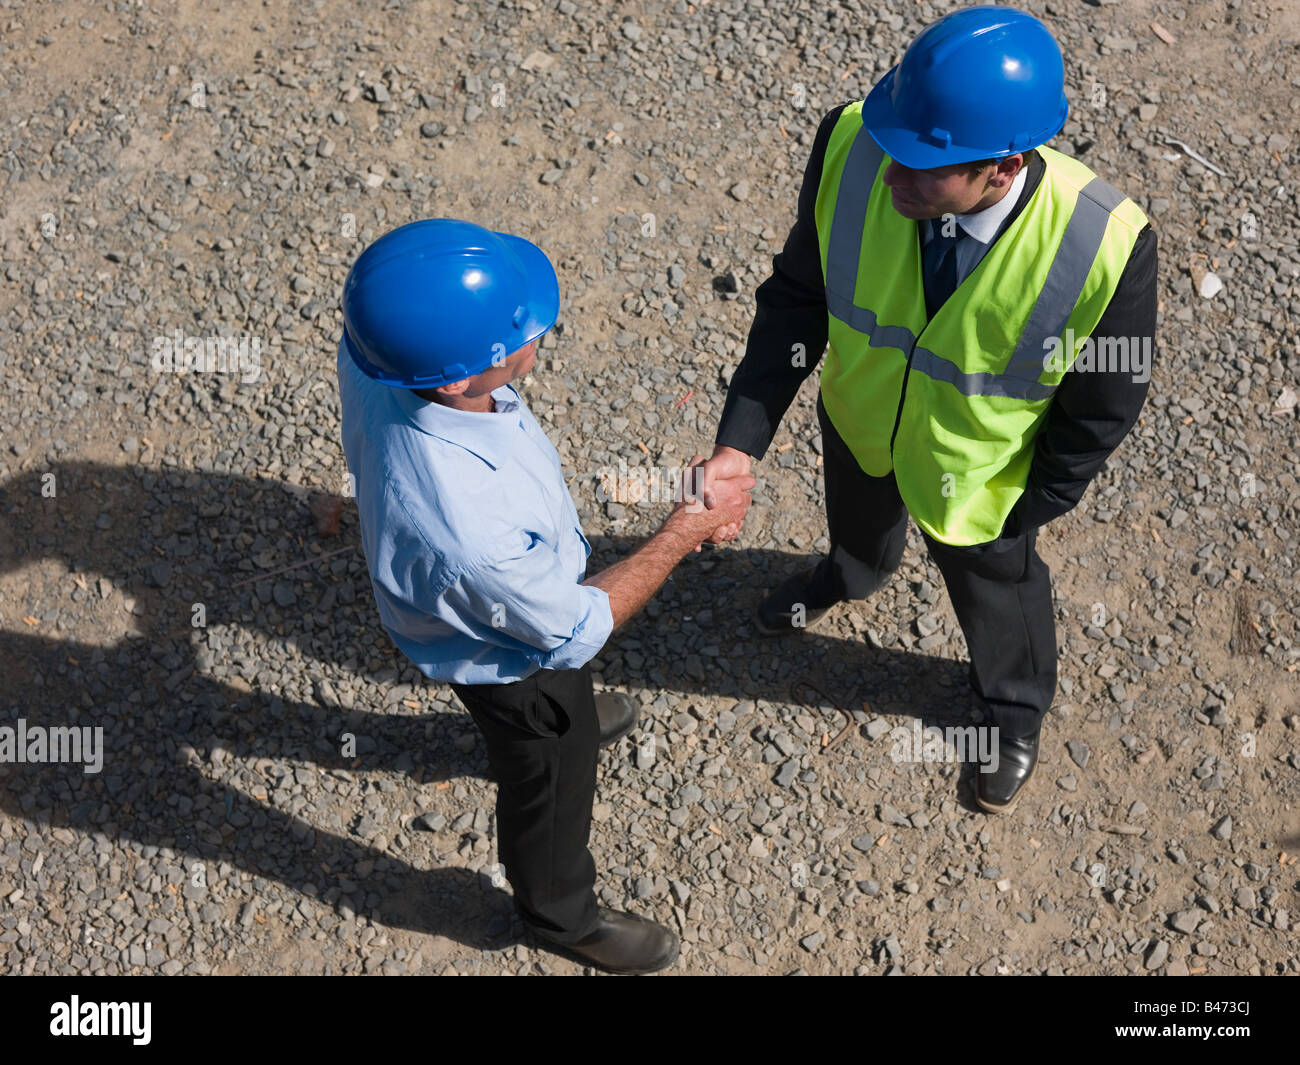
pixel 715 509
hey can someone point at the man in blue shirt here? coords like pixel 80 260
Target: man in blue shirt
pixel 477 557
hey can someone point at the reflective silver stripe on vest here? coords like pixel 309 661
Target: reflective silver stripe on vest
pixel 844 248
pixel 864 321
pixel 937 368
pixel 1065 279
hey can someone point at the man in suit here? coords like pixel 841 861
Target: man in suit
pixel 987 305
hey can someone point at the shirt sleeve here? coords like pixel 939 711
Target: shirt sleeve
pixel 517 597
pixel 1092 412
pixel 789 332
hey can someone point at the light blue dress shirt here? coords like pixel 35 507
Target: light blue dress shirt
pixel 473 543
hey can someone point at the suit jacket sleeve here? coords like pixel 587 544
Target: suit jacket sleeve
pixel 788 336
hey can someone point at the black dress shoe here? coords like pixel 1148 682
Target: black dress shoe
pixel 797 604
pixel 617 713
pixel 621 943
pixel 999 791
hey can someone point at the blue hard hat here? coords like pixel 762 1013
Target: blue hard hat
pixel 439 300
pixel 980 83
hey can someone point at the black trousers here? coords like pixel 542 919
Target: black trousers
pixel 1001 591
pixel 542 739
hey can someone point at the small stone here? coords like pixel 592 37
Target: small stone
pixel 1222 828
pixel 1080 752
pixel 740 190
pixel 537 61
pixel 727 284
pixel 737 873
pixel 1157 954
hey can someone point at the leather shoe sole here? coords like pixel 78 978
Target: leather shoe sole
pixel 994 808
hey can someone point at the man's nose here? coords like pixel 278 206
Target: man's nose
pixel 895 174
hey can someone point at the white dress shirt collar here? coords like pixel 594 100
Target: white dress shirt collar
pixel 984 225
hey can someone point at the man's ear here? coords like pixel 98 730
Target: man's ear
pixel 1005 172
pixel 455 388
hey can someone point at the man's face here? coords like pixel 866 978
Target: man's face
pixel 954 189
pixel 512 367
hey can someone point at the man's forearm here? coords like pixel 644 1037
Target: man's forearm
pixel 788 336
pixel 786 343
pixel 630 583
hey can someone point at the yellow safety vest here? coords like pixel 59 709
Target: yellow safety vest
pixel 952 404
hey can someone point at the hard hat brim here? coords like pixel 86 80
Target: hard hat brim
pixel 543 304
pixel 914 149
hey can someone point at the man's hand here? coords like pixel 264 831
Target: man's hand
pixel 728 499
pixel 727 462
pixel 630 583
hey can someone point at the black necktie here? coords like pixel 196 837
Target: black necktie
pixel 940 267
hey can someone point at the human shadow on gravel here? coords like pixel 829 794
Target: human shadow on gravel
pixel 127 608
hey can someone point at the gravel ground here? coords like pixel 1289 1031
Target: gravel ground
pixel 281 792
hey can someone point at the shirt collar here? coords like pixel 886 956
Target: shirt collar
pixel 984 225
pixel 490 436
